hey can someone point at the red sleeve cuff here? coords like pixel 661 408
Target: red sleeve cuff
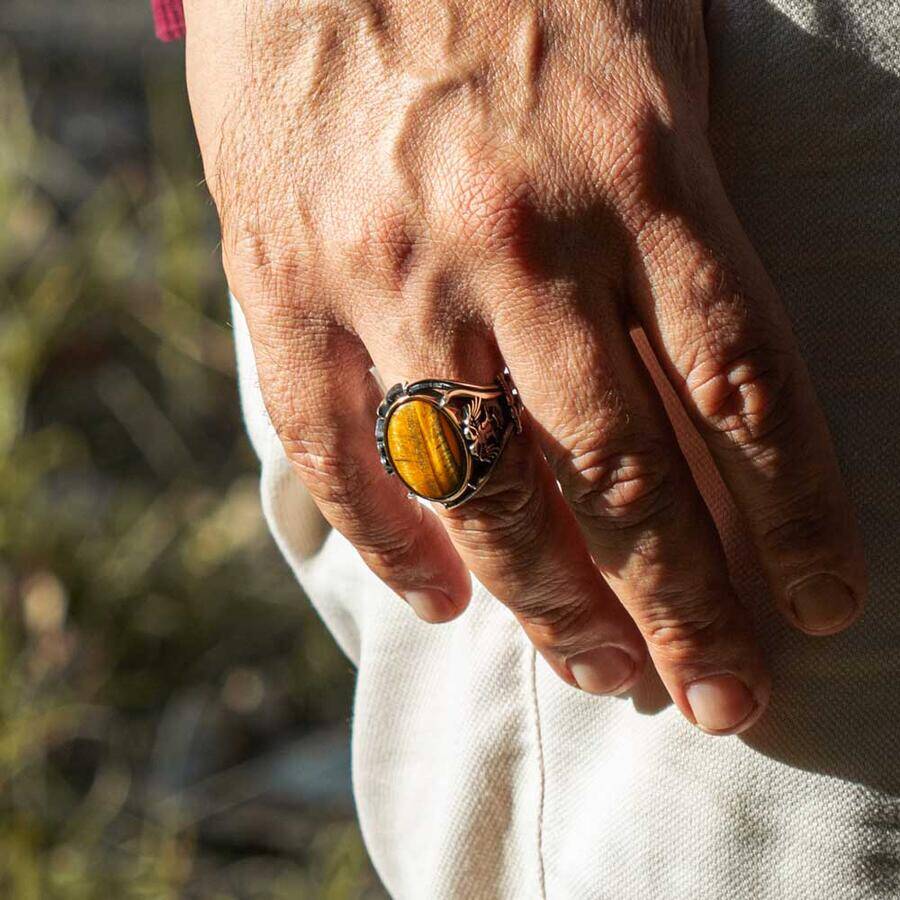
pixel 168 16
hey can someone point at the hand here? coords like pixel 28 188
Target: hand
pixel 446 188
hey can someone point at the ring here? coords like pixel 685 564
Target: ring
pixel 442 439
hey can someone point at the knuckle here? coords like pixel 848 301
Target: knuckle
pixel 799 529
pixel 271 268
pixel 620 490
pixel 506 517
pixel 634 155
pixel 684 629
pixel 623 148
pixel 291 335
pixel 247 248
pixel 389 551
pixel 333 478
pixel 382 245
pixel 745 395
pixel 490 204
pixel 559 627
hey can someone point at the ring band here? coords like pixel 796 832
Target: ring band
pixel 442 439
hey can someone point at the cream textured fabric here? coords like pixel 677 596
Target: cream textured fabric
pixel 477 772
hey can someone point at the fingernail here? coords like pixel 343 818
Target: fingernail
pixel 604 670
pixel 431 604
pixel 822 603
pixel 720 703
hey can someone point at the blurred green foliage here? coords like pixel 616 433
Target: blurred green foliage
pixel 152 638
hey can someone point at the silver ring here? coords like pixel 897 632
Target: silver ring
pixel 442 439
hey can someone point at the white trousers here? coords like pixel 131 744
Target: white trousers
pixel 477 772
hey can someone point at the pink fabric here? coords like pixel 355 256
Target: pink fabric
pixel 168 16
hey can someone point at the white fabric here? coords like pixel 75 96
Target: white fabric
pixel 476 771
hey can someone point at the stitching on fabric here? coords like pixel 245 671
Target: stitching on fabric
pixel 542 880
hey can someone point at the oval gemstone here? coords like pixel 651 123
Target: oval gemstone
pixel 426 449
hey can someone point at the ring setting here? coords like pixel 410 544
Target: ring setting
pixel 442 439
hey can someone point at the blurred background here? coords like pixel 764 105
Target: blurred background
pixel 173 716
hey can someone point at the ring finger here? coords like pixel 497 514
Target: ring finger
pixel 517 534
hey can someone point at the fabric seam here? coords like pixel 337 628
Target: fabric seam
pixel 542 880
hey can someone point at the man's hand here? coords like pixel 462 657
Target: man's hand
pixel 444 188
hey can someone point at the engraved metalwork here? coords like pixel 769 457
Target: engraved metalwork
pixel 483 430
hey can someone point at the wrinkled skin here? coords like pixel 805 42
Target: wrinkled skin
pixel 442 188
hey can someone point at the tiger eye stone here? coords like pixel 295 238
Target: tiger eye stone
pixel 426 449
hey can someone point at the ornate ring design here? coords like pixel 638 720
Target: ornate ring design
pixel 442 439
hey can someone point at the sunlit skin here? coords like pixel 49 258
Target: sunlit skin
pixel 442 189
